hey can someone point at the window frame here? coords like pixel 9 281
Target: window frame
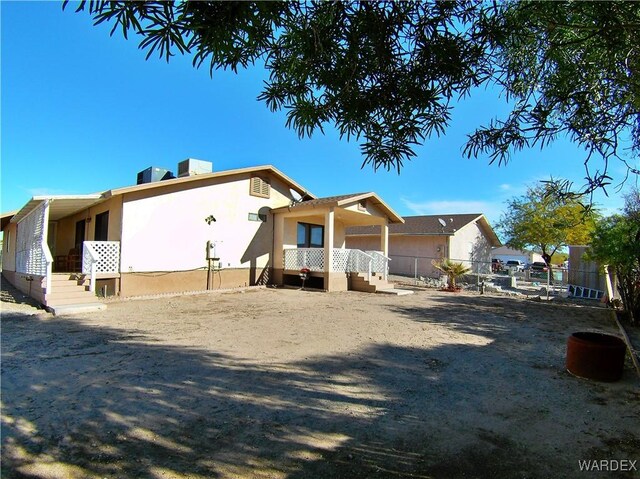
pixel 308 235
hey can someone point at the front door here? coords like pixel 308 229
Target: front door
pixel 102 227
pixel 80 232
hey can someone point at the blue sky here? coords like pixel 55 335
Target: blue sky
pixel 84 112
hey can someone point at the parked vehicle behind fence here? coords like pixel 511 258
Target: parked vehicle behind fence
pixel 538 267
pixel 497 265
pixel 515 264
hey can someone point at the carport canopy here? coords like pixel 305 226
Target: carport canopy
pixel 60 206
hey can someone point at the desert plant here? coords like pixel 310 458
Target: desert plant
pixel 452 269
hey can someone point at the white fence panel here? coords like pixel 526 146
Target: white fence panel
pixel 108 256
pixel 31 257
pixel 312 258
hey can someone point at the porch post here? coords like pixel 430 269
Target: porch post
pixel 329 229
pixel 384 245
pixel 278 246
pixel 384 238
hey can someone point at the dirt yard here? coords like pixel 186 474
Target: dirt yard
pixel 297 384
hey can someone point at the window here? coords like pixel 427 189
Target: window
pixel 257 217
pixel 102 227
pixel 259 187
pixel 310 236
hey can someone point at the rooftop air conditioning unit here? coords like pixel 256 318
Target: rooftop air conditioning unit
pixel 153 174
pixel 191 166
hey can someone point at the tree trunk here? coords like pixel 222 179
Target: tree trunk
pixel 629 289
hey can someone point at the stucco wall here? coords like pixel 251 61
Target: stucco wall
pixel 168 231
pixel 415 251
pixel 364 243
pixel 404 251
pixel 34 288
pixel 66 227
pixel 470 244
pixel 140 284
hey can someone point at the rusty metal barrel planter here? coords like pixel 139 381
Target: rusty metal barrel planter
pixel 596 356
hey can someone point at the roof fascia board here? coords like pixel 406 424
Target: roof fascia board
pixel 35 201
pixel 395 217
pixel 217 174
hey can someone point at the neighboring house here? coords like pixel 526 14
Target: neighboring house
pixel 200 231
pixel 467 238
pixel 505 254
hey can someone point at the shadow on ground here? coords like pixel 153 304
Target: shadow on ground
pixel 9 295
pixel 83 401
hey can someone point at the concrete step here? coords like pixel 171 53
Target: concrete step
pixel 72 293
pixel 67 309
pixel 397 292
pixel 73 300
pixel 67 287
pixel 364 288
pixel 358 283
pixel 66 276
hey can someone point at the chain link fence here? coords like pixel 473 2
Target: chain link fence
pixel 585 281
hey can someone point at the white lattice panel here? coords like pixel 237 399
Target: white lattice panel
pixel 344 260
pixel 312 258
pixel 30 255
pixel 108 253
pixel 341 260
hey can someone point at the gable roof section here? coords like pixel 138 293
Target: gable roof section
pixel 430 226
pixel 207 176
pixel 344 200
pixel 64 205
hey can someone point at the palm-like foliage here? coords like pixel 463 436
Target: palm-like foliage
pixel 452 270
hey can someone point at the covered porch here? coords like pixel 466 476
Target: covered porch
pixel 42 270
pixel 311 235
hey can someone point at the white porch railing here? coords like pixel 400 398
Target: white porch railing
pixel 360 262
pixel 344 260
pixel 380 262
pixel 100 257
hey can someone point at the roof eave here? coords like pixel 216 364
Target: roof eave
pixel 216 174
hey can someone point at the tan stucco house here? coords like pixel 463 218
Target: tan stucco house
pixel 213 230
pixel 467 238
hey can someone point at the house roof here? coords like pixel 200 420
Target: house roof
pixel 430 226
pixel 5 218
pixel 65 205
pixel 344 200
pixel 207 176
pixel 59 206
